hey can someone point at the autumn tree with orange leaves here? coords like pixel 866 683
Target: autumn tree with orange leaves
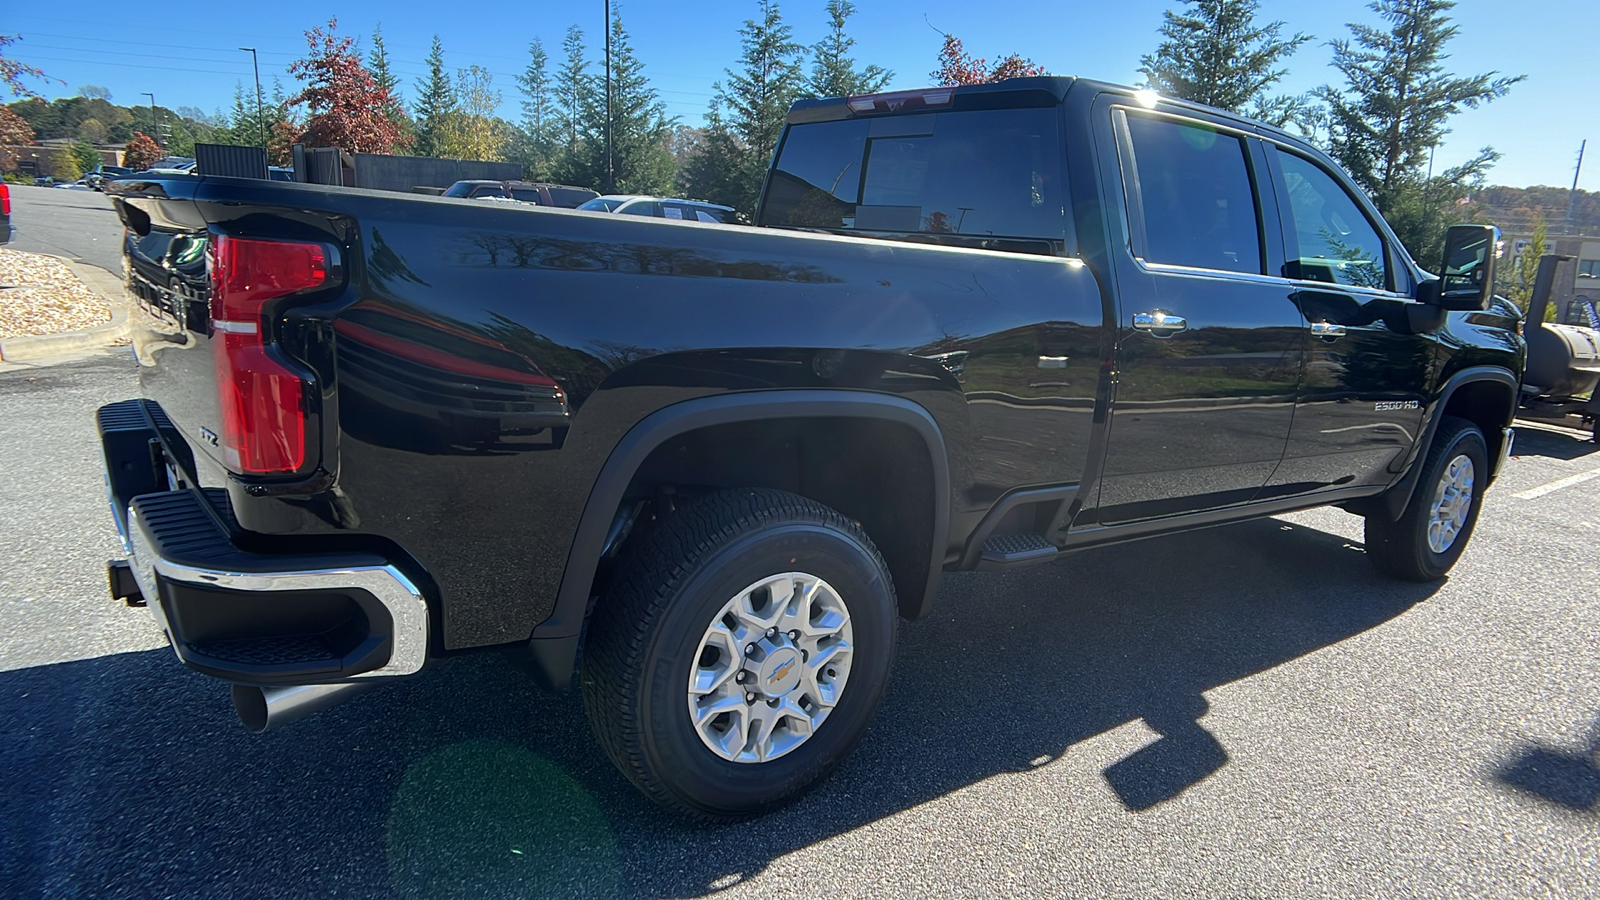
pixel 957 67
pixel 347 107
pixel 141 152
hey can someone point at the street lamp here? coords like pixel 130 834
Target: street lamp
pixel 154 125
pixel 261 122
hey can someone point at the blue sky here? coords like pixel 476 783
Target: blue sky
pixel 685 48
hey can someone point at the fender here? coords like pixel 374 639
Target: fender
pixel 1394 500
pixel 554 643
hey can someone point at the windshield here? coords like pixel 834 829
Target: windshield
pixel 986 173
pixel 602 204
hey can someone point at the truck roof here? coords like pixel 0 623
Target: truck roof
pixel 982 95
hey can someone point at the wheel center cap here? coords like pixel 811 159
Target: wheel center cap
pixel 780 672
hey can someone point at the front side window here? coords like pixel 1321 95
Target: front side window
pixel 1337 244
pixel 1195 196
pixel 985 173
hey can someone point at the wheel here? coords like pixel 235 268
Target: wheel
pixel 1430 535
pixel 740 653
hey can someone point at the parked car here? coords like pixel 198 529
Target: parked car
pixel 5 213
pixel 974 328
pixel 564 196
pixel 661 208
pixel 96 179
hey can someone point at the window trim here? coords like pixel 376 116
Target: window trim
pixel 1133 194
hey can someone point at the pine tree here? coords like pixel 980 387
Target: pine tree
pixel 640 160
pixel 710 172
pixel 1525 269
pixel 757 99
pixel 833 71
pixel 383 76
pixel 436 102
pixel 1392 112
pixel 537 138
pixel 577 106
pixel 1216 53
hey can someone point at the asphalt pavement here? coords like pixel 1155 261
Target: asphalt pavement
pixel 79 225
pixel 1247 711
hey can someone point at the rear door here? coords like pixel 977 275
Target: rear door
pixel 1209 345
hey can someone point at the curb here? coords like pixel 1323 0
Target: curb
pixel 43 346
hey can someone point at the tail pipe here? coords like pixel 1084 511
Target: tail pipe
pixel 265 708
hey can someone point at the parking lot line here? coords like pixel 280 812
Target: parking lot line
pixel 1557 485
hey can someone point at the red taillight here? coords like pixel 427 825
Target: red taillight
pixel 5 199
pixel 263 402
pixel 902 101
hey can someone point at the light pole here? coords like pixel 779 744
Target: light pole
pixel 610 184
pixel 261 122
pixel 154 125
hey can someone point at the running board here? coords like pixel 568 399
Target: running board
pixel 1010 551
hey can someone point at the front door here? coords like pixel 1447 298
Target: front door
pixel 1370 352
pixel 1209 346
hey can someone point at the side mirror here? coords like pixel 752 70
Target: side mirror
pixel 1466 279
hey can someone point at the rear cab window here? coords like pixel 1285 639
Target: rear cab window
pixel 1192 201
pixel 978 177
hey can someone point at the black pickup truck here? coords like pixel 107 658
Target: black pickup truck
pixel 706 468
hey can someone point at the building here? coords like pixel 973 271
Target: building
pixel 1576 278
pixel 38 159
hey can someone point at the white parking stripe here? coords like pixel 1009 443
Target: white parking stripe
pixel 1566 482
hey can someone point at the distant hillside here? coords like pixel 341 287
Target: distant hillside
pixel 1515 209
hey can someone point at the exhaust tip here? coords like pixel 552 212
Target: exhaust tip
pixel 265 708
pixel 251 705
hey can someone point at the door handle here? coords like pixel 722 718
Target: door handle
pixel 1328 331
pixel 1159 324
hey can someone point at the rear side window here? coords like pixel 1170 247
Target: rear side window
pixel 986 173
pixel 570 197
pixel 526 195
pixel 1193 192
pixel 1337 244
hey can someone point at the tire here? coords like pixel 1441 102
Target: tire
pixel 1427 540
pixel 653 632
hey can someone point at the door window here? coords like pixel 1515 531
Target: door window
pixel 1195 196
pixel 1337 244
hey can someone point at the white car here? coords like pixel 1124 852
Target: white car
pixel 661 208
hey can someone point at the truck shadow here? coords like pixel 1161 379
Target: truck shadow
pixel 128 775
pixel 1562 777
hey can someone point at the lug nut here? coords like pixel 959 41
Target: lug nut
pixel 750 649
pixel 773 703
pixel 750 699
pixel 794 635
pixel 740 677
pixel 772 632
